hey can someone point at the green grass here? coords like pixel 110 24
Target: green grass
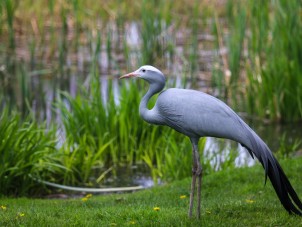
pixel 229 198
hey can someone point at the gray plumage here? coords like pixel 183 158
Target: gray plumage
pixel 197 114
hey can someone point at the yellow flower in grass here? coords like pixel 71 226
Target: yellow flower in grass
pixel 84 199
pixel 249 201
pixel 3 207
pixel 21 214
pixel 182 196
pixel 132 222
pixel 156 208
pixel 88 196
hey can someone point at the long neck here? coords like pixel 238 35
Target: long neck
pixel 149 115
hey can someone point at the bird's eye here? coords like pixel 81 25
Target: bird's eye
pixel 143 70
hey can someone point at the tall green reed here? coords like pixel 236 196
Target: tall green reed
pixel 76 6
pixel 63 44
pixel 52 41
pixel 1 16
pixel 155 20
pixel 288 148
pixel 193 45
pixel 236 14
pixel 86 134
pixel 10 7
pixel 15 86
pixel 27 151
pixel 274 65
pixel 109 47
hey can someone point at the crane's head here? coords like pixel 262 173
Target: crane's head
pixel 148 73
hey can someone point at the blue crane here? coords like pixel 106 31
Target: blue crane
pixel 197 114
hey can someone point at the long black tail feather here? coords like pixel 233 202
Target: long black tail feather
pixel 284 190
pixel 287 194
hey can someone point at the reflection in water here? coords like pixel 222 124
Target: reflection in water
pixel 219 150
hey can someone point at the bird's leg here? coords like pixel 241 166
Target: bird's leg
pixel 199 175
pixel 196 172
pixel 192 191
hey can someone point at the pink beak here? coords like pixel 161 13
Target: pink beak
pixel 133 74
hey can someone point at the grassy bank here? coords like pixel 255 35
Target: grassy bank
pixel 229 198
